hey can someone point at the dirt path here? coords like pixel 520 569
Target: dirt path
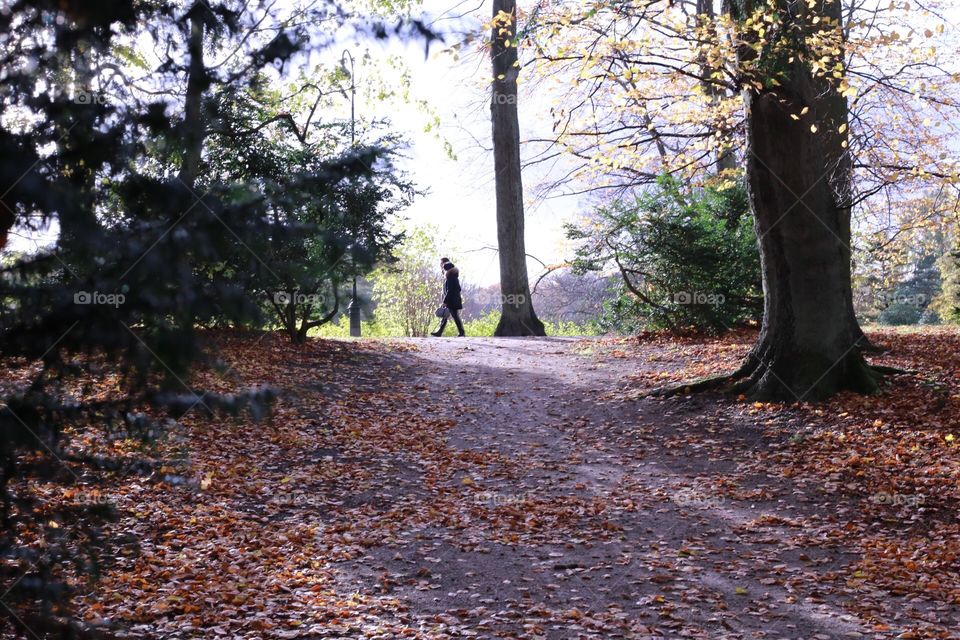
pixel 525 489
pixel 586 512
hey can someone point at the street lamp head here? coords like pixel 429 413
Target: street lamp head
pixel 344 59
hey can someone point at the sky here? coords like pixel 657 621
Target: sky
pixel 460 198
pixel 458 195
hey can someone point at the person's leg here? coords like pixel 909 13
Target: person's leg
pixel 443 324
pixel 456 318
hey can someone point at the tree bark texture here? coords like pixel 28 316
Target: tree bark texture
pixel 517 317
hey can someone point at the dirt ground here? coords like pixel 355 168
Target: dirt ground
pixel 613 515
pixel 532 489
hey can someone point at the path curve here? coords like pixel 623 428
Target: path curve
pixel 603 515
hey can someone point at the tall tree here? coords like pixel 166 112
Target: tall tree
pixel 645 87
pixel 518 317
pixel 667 75
pixel 798 172
pixel 142 258
pixel 193 126
pixel 6 221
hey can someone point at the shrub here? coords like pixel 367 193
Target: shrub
pixel 899 314
pixel 910 301
pixel 947 302
pixel 687 258
pixel 408 290
pixel 484 326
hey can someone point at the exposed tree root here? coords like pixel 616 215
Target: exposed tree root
pixel 892 371
pixel 519 324
pixel 722 382
pixel 866 346
pixel 760 383
pixel 695 386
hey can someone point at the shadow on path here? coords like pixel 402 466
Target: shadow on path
pixel 590 514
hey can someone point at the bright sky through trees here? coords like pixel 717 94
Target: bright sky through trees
pixel 459 199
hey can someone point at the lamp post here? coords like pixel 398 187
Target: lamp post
pixel 354 307
pixel 344 59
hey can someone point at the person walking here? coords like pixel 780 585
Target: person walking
pixel 452 299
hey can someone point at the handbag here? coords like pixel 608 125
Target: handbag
pixel 441 312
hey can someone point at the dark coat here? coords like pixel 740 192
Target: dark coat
pixel 451 289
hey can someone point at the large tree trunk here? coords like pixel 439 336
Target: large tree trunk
pixel 194 127
pixel 8 176
pixel 78 219
pixel 798 174
pixel 517 317
pixel 6 222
